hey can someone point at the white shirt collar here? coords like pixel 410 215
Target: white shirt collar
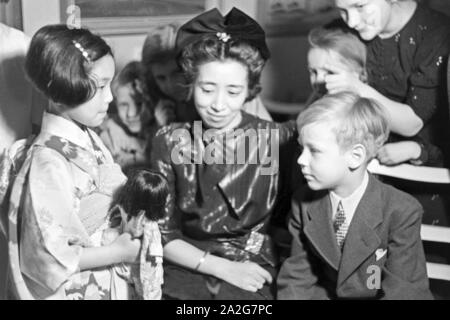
pixel 351 202
pixel 61 127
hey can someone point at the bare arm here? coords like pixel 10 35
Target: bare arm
pixel 245 275
pixel 402 118
pixel 123 249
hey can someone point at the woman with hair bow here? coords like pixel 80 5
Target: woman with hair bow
pixel 223 170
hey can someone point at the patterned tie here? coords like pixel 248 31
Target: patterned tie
pixel 340 225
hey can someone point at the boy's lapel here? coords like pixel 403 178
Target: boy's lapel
pixel 320 233
pixel 362 240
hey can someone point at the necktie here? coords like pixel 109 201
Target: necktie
pixel 340 225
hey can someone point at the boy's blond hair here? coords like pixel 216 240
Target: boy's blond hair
pixel 353 119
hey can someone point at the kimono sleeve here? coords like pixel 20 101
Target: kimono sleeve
pixel 50 227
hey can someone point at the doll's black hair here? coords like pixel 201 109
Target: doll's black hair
pixel 145 190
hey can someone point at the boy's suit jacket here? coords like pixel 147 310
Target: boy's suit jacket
pixel 382 256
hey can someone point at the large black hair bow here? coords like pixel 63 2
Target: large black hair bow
pixel 235 25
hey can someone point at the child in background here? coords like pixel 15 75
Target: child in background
pixel 337 48
pixel 128 133
pixel 164 80
pixel 138 206
pixel 334 49
pixel 353 236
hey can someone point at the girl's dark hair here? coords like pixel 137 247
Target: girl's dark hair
pixel 145 190
pixel 211 48
pixel 58 68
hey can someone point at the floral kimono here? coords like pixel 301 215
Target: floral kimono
pixel 61 198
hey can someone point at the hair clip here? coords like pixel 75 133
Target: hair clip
pixel 223 36
pixel 83 51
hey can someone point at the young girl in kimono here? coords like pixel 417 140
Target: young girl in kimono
pixel 127 133
pixel 138 207
pixel 67 164
pixel 215 230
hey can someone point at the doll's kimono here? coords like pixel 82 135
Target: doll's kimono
pixel 56 217
pixel 146 276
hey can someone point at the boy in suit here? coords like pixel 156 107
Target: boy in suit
pixel 353 236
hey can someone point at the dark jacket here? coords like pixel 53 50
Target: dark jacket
pixel 382 257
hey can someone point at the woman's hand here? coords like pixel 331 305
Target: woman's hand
pixel 399 152
pixel 342 80
pixel 245 275
pixel 127 248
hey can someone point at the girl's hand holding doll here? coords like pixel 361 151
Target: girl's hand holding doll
pixel 126 247
pixel 123 249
